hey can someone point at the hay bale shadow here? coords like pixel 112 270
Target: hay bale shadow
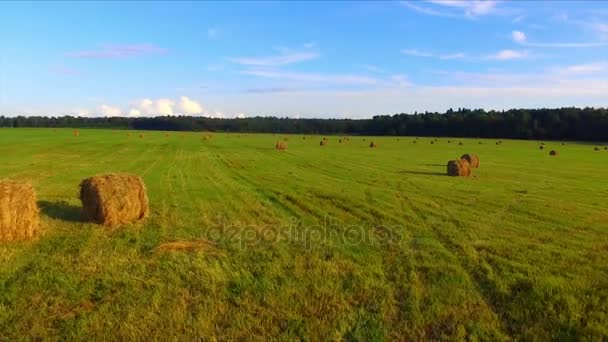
pixel 425 173
pixel 60 210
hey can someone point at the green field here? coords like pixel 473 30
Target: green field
pixel 314 243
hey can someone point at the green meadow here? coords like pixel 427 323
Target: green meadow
pixel 335 242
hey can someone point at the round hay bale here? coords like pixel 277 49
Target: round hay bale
pixel 281 146
pixel 480 143
pixel 596 149
pixel 553 153
pixel 141 135
pixel 113 199
pixel 472 159
pixel 18 211
pixel 340 141
pixel 414 141
pixel 449 141
pixel 459 167
pixel 323 143
pixel 432 142
pixel 460 143
pixel 75 133
pixel 372 145
pixel 541 147
pixel 605 147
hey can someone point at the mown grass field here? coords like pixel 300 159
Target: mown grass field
pixel 314 243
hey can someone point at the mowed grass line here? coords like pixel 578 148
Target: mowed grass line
pixel 518 251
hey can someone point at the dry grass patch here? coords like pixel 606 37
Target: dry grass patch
pixel 113 199
pixel 189 246
pixel 19 214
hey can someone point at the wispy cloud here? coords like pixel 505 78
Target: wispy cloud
pixel 507 54
pixel 119 51
pixel 582 69
pixel 345 79
pixel 454 8
pixel 285 58
pixel 522 39
pixel 66 70
pixel 422 53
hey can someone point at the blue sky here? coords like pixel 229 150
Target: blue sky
pixel 300 59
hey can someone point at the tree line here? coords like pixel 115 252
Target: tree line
pixel 586 124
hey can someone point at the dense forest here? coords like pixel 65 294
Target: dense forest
pixel 589 124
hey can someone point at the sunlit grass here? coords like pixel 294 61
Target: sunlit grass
pixel 316 242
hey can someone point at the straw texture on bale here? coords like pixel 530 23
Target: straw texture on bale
pixel 113 199
pixel 281 146
pixel 18 211
pixel 459 167
pixel 553 153
pixel 473 159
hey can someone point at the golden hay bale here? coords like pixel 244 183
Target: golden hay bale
pixel 167 135
pixel 372 145
pixel 141 135
pixel 480 143
pixel 75 133
pixel 339 141
pixel 553 153
pixel 18 211
pixel 449 141
pixel 281 146
pixel 605 147
pixel 323 142
pixel 459 167
pixel 113 199
pixel 472 158
pixel 460 143
pixel 414 141
pixel 541 147
pixel 596 149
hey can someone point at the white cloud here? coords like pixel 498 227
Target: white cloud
pixel 240 115
pixel 455 8
pixel 519 37
pixel 155 107
pixel 522 39
pixel 422 53
pixel 580 69
pixel 349 79
pixel 284 58
pixel 107 110
pixel 134 112
pixel 505 55
pixel 188 106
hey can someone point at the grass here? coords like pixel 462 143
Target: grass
pixel 314 243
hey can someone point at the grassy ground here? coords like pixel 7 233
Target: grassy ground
pixel 314 243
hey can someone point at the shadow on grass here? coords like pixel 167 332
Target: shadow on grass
pixel 61 210
pixel 432 164
pixel 426 173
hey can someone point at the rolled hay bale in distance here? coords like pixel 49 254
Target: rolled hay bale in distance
pixel 19 214
pixel 472 158
pixel 460 143
pixel 596 149
pixel 553 153
pixel 323 142
pixel 141 135
pixel 372 145
pixel 541 147
pixel 459 167
pixel 75 133
pixel 281 146
pixel 605 147
pixel 113 199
